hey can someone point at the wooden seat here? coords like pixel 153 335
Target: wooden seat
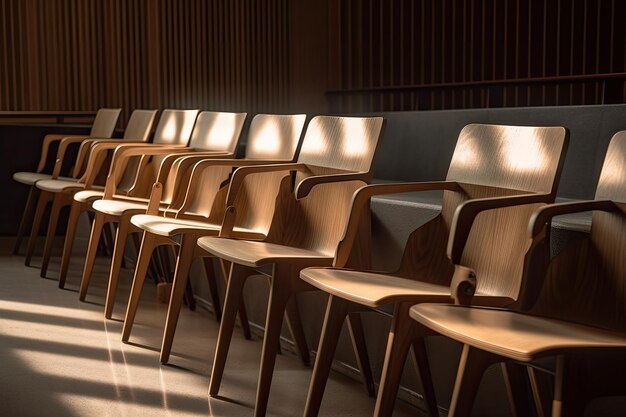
pixel 497 176
pixel 334 162
pixel 103 127
pixel 213 134
pixel 271 139
pixel 575 313
pixel 91 159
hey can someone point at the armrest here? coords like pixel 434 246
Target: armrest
pixel 463 285
pixel 45 146
pixel 361 199
pixel 466 213
pixel 306 185
pixel 544 214
pixel 120 160
pixel 184 159
pixel 63 145
pixel 155 199
pixel 240 174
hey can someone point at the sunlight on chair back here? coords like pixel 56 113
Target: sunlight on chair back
pixel 273 136
pixel 340 143
pixel 217 131
pixel 175 127
pixel 104 123
pixel 492 161
pixel 586 282
pixel 139 125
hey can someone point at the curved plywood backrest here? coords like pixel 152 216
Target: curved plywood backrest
pixel 139 125
pixel 333 144
pixel 175 127
pixel 104 123
pixel 273 136
pixel 586 282
pixel 217 131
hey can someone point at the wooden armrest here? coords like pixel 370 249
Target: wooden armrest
pixel 306 185
pixel 544 214
pixel 45 146
pixel 241 172
pixel 65 142
pixel 155 199
pixel 466 213
pixel 361 199
pixel 178 160
pixel 463 285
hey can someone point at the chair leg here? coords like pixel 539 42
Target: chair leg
pixel 420 357
pixel 44 198
pixel 355 327
pixel 70 235
pixel 472 366
pixel 179 285
pixel 515 379
pixel 569 400
pixel 280 292
pixel 401 336
pixel 234 290
pixel 541 385
pixel 58 201
pixel 294 323
pixel 148 243
pixel 336 311
pixel 121 234
pixel 31 203
pixel 92 249
pixel 243 314
pixel 215 295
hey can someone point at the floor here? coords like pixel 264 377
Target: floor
pixel 60 357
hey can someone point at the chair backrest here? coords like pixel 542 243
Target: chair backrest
pixel 175 127
pixel 490 161
pixel 270 137
pixel 217 131
pixel 586 282
pixel 335 144
pixel 104 123
pixel 274 136
pixel 316 222
pixel 139 125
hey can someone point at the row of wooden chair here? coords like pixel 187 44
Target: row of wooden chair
pixel 306 226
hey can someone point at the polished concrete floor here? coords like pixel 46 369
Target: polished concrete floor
pixel 60 357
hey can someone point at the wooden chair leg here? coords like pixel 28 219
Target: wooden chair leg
pixel 401 336
pixel 215 295
pixel 336 311
pixel 70 235
pixel 121 235
pixel 420 357
pixel 179 285
pixel 44 199
pixel 516 382
pixel 148 243
pixel 472 366
pixel 294 323
pixel 58 201
pixel 280 292
pixel 31 203
pixel 355 327
pixel 541 385
pixel 234 291
pixel 189 297
pixel 242 313
pixel 90 259
pixel 569 400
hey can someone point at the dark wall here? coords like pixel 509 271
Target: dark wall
pixel 310 55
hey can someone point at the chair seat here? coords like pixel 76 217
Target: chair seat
pixel 517 336
pixel 164 226
pixel 87 196
pixel 373 289
pixel 120 207
pixel 30 178
pixel 59 185
pixel 253 254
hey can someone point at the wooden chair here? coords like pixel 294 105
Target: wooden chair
pixel 335 161
pixel 271 139
pixel 497 176
pixel 103 127
pixel 215 135
pixel 575 314
pixel 60 191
